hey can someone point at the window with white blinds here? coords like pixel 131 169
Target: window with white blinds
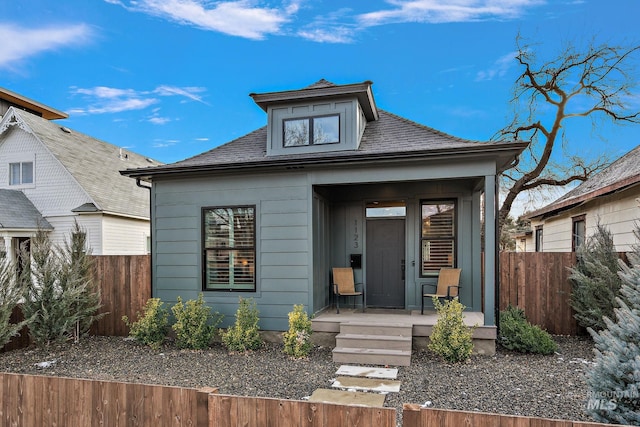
pixel 438 237
pixel 229 248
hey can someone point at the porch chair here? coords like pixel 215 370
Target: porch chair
pixel 343 285
pixel 446 288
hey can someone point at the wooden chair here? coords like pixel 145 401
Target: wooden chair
pixel 446 288
pixel 343 285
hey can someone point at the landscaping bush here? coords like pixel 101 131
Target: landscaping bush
pixel 11 292
pixel 59 298
pixel 451 338
pixel 517 334
pixel 78 263
pixel 297 340
pixel 614 379
pixel 152 325
pixel 244 335
pixel 595 280
pixel 195 325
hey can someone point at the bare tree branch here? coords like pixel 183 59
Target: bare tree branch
pixel 594 83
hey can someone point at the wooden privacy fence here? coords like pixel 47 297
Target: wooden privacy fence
pixel 237 411
pixel 125 284
pixel 538 282
pixel 28 400
pixel 416 416
pixel 32 400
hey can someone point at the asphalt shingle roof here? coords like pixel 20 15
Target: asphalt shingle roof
pixel 18 213
pixel 391 134
pixel 620 174
pixel 95 165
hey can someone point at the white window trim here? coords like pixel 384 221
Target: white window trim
pixel 20 159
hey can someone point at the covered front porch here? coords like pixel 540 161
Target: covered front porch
pixel 330 329
pixel 396 236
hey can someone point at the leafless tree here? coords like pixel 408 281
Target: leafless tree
pixel 596 83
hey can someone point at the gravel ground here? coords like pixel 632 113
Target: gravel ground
pixel 508 383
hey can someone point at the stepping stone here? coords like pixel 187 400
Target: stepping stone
pixel 347 397
pixel 368 372
pixel 367 384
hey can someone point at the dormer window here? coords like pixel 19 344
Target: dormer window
pixel 311 131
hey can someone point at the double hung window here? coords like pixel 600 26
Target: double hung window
pixel 229 247
pixel 438 236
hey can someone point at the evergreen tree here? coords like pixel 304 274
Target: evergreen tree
pixel 11 293
pixel 614 380
pixel 59 295
pixel 595 279
pixel 78 269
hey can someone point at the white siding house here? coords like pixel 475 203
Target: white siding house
pixel 611 198
pixel 68 176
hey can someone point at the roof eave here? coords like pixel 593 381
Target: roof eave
pixel 22 101
pixel 361 90
pixel 555 208
pixel 147 174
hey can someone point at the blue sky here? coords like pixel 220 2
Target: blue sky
pixel 170 78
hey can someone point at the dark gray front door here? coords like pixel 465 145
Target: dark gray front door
pixel 385 263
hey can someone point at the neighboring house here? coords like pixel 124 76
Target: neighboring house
pixel 330 181
pixel 610 197
pixel 54 176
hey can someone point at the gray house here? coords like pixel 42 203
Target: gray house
pixel 330 181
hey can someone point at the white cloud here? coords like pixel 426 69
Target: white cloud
pixel 499 67
pixel 159 120
pixel 19 43
pixel 444 11
pixel 165 143
pixel 236 18
pixel 187 92
pixel 103 99
pixel 328 35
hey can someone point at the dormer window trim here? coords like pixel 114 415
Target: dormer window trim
pixel 309 130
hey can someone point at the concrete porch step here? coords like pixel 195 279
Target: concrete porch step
pixel 374 356
pixel 376 328
pixel 388 342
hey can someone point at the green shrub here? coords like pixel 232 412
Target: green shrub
pixel 451 338
pixel 517 334
pixel 11 292
pixel 152 326
pixel 79 264
pixel 614 379
pixel 59 298
pixel 297 340
pixel 244 335
pixel 595 280
pixel 195 324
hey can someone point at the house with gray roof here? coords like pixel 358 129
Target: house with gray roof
pixel 610 197
pixel 52 176
pixel 330 181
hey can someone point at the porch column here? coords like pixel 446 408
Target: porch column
pixel 490 218
pixel 9 249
